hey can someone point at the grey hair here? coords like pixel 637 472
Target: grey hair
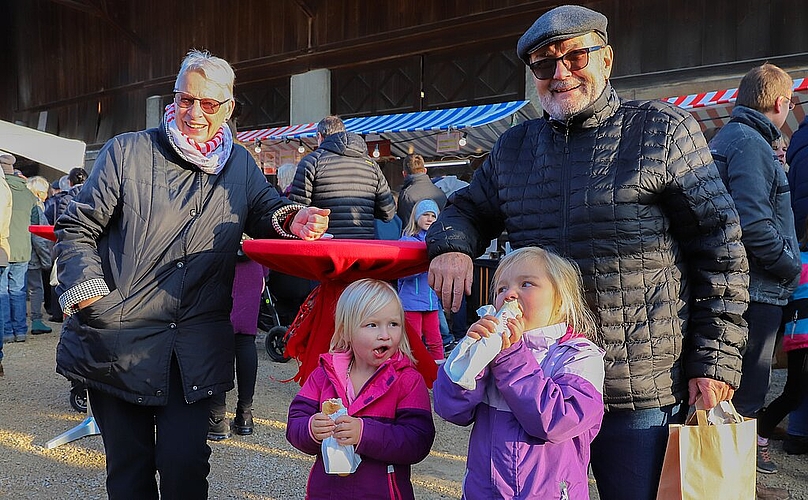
pixel 213 68
pixel 286 174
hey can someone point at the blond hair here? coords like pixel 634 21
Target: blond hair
pixel 39 186
pixel 411 229
pixel 570 306
pixel 358 301
pixel 762 86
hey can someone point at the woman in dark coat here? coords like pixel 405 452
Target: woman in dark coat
pixel 146 257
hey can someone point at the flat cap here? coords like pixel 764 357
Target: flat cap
pixel 7 161
pixel 562 23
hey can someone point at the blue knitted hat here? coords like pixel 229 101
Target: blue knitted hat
pixel 425 206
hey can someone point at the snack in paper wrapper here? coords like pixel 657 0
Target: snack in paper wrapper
pixel 332 406
pixel 337 458
pixel 470 357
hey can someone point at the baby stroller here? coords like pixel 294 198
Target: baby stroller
pixel 270 322
pixel 278 310
pixel 78 396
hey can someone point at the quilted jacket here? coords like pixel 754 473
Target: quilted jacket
pixel 628 190
pixel 164 237
pixel 340 175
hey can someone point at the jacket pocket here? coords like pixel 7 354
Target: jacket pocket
pixel 98 314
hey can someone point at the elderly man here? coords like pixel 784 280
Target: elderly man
pixel 339 175
pixel 629 191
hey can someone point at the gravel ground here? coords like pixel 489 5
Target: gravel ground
pixel 34 408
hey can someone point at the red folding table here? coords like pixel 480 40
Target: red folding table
pixel 335 264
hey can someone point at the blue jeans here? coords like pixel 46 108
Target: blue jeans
pixel 798 420
pixel 3 312
pixel 628 452
pixel 13 287
pixel 445 334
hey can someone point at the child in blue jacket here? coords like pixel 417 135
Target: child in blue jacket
pixel 421 307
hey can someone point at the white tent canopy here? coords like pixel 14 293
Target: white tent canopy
pixel 48 149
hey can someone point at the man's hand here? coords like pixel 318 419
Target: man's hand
pixel 310 223
pixel 711 391
pixel 450 275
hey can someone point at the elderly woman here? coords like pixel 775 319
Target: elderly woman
pixel 39 266
pixel 145 260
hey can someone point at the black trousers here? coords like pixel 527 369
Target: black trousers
pixel 764 323
pixel 793 394
pixel 178 450
pixel 246 373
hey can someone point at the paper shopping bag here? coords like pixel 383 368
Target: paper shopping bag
pixel 706 460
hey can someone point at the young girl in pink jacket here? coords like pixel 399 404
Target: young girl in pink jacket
pixel 389 418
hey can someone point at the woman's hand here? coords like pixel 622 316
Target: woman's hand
pixel 321 426
pixel 310 223
pixel 89 302
pixel 348 430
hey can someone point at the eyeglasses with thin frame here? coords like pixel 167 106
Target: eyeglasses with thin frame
pixel 574 60
pixel 791 104
pixel 208 105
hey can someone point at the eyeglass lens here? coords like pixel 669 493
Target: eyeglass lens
pixel 573 60
pixel 209 106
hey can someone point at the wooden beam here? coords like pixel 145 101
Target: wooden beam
pixel 493 26
pixel 309 7
pixel 101 11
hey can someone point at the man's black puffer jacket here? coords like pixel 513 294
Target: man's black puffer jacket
pixel 340 175
pixel 628 190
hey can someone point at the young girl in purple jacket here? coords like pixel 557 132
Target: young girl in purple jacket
pixel 537 406
pixel 389 421
pixel 419 300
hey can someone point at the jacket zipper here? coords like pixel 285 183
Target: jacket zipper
pixel 392 486
pixel 564 188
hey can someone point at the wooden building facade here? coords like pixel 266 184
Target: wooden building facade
pixel 83 69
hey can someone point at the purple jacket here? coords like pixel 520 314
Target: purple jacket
pixel 536 408
pixel 397 428
pixel 248 284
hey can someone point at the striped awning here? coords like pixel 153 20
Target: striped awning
pixel 417 132
pixel 714 109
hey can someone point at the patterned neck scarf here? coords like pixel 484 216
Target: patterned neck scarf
pixel 210 156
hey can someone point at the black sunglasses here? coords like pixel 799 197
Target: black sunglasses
pixel 544 69
pixel 208 105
